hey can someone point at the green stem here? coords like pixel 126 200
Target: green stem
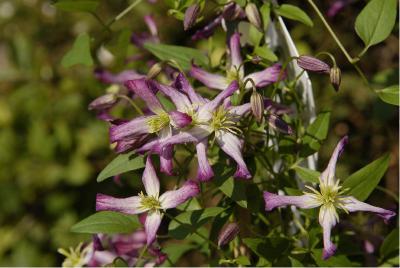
pixel 94 14
pixel 134 105
pixel 123 13
pixel 141 255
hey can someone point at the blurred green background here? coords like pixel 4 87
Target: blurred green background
pixel 52 147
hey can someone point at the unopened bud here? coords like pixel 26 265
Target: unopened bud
pixel 278 124
pixel 103 102
pixel 312 64
pixel 228 233
pixel 191 15
pixel 253 15
pixel 154 70
pixel 256 59
pixel 336 77
pixel 257 105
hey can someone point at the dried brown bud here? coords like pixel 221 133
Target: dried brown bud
pixel 228 233
pixel 312 64
pixel 253 15
pixel 154 70
pixel 257 105
pixel 191 15
pixel 336 77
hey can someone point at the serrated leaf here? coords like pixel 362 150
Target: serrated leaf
pixel 266 53
pixel 77 5
pixel 121 164
pixel 182 55
pixel 390 244
pixel 306 174
pixel 79 53
pixel 363 182
pixel 191 221
pixel 317 131
pixel 376 21
pixel 389 95
pixel 107 222
pixel 294 13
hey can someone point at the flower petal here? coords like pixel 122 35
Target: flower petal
pixel 204 171
pixel 236 58
pixel 214 81
pixel 172 199
pixel 130 205
pixel 180 100
pixel 328 219
pixel 151 25
pixel 266 77
pixel 166 163
pixel 179 119
pixel 182 84
pixel 352 204
pixel 302 201
pixel 328 176
pixel 232 146
pixel 142 89
pixel 208 30
pixel 278 124
pixel 130 144
pixel 276 108
pixel 150 179
pixel 240 110
pixel 125 131
pixel 153 221
pixel 120 78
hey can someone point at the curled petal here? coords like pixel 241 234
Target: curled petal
pixel 179 119
pixel 204 171
pixel 125 131
pixel 180 100
pixel 240 110
pixel 120 78
pixel 236 58
pixel 166 163
pixel 142 89
pixel 352 204
pixel 266 77
pixel 214 81
pixel 328 176
pixel 208 30
pixel 232 146
pixel 278 124
pixel 328 219
pixel 182 84
pixel 151 25
pixel 153 221
pixel 150 179
pixel 277 108
pixel 302 201
pixel 130 144
pixel 130 205
pixel 172 199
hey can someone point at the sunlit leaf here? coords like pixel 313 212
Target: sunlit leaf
pixel 80 52
pixel 294 13
pixel 317 131
pixel 389 94
pixel 306 174
pixel 121 164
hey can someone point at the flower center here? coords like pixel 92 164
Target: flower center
pixel 222 120
pixel 329 195
pixel 158 122
pixel 149 202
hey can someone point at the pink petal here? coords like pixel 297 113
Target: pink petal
pixel 130 205
pixel 142 89
pixel 266 77
pixel 210 80
pixel 352 204
pixel 180 100
pixel 172 199
pixel 182 84
pixel 236 58
pixel 302 201
pixel 150 179
pixel 126 131
pixel 153 221
pixel 179 119
pixel 151 25
pixel 204 171
pixel 327 220
pixel 328 176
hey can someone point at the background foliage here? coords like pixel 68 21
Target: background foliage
pixel 52 148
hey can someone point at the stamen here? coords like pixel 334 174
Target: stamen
pixel 149 202
pixel 158 122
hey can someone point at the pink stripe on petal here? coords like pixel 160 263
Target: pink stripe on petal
pixel 166 163
pixel 142 89
pixel 266 77
pixel 119 78
pixel 172 199
pixel 204 170
pixel 236 58
pixel 182 84
pixel 302 201
pixel 327 219
pixel 232 146
pixel 130 205
pixel 153 221
pixel 352 204
pixel 151 25
pixel 134 128
pixel 150 179
pixel 180 100
pixel 240 110
pixel 328 175
pixel 210 80
pixel 180 120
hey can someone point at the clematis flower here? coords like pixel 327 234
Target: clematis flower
pixel 236 71
pixel 329 197
pixel 151 203
pixel 159 122
pixel 152 36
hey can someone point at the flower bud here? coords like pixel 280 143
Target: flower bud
pixel 103 102
pixel 191 15
pixel 257 105
pixel 228 233
pixel 312 64
pixel 154 70
pixel 253 15
pixel 336 77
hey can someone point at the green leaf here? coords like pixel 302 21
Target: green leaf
pixel 271 248
pixel 306 174
pixel 121 164
pixel 389 94
pixel 191 221
pixel 334 261
pixel 390 244
pixel 295 263
pixel 376 21
pixel 363 182
pixel 175 251
pixel 317 131
pixel 107 222
pixel 191 204
pixel 80 52
pixel 77 5
pixel 265 12
pixel 182 55
pixel 294 13
pixel 242 260
pixel 266 53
